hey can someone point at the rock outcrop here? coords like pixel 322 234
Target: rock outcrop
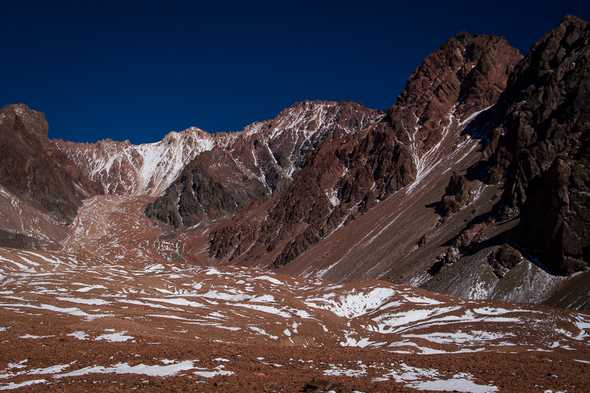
pixel 545 154
pixel 538 155
pixel 541 155
pixel 34 170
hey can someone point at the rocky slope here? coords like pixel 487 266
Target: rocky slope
pixel 430 207
pixel 544 156
pixel 538 155
pixel 44 182
pixel 256 162
pixel 122 168
pixel 347 176
pixel 33 169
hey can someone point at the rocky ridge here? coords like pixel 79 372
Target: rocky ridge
pixel 33 169
pixel 537 152
pixel 122 168
pixel 257 162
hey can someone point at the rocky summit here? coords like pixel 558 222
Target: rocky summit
pixel 440 244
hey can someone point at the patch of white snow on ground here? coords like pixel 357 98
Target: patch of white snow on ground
pixel 79 334
pixel 217 371
pixel 90 302
pixel 58 368
pixel 179 301
pixel 459 337
pixel 13 385
pixel 230 297
pixel 116 337
pixel 336 371
pixel 387 323
pixel 430 379
pixel 262 332
pixel 265 309
pixel 270 279
pixel 353 304
pixel 88 288
pixel 141 369
pixel 458 383
pixel 33 337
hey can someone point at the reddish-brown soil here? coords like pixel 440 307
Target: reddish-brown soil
pixel 73 322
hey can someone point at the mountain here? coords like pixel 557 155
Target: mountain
pixel 538 157
pixel 32 168
pixel 347 177
pixel 40 188
pixel 433 185
pixel 44 182
pixel 257 162
pixel 441 190
pixel 122 168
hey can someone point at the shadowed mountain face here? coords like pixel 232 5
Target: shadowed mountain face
pixel 538 155
pixel 34 170
pixel 543 157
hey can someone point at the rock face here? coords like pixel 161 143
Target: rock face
pixel 257 162
pixel 464 77
pixel 34 170
pixel 347 175
pixel 539 155
pixel 497 272
pixel 544 156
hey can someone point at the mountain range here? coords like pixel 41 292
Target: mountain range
pixel 473 186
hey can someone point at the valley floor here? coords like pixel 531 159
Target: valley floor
pixel 73 323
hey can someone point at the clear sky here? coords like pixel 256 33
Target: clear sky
pixel 138 69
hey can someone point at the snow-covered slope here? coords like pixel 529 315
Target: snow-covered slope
pixel 146 169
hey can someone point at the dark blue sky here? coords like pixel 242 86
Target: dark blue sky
pixel 137 69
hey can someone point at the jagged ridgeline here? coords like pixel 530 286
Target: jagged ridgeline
pixel 332 248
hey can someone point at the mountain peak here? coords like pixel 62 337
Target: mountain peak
pixel 573 20
pixel 191 132
pixel 30 120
